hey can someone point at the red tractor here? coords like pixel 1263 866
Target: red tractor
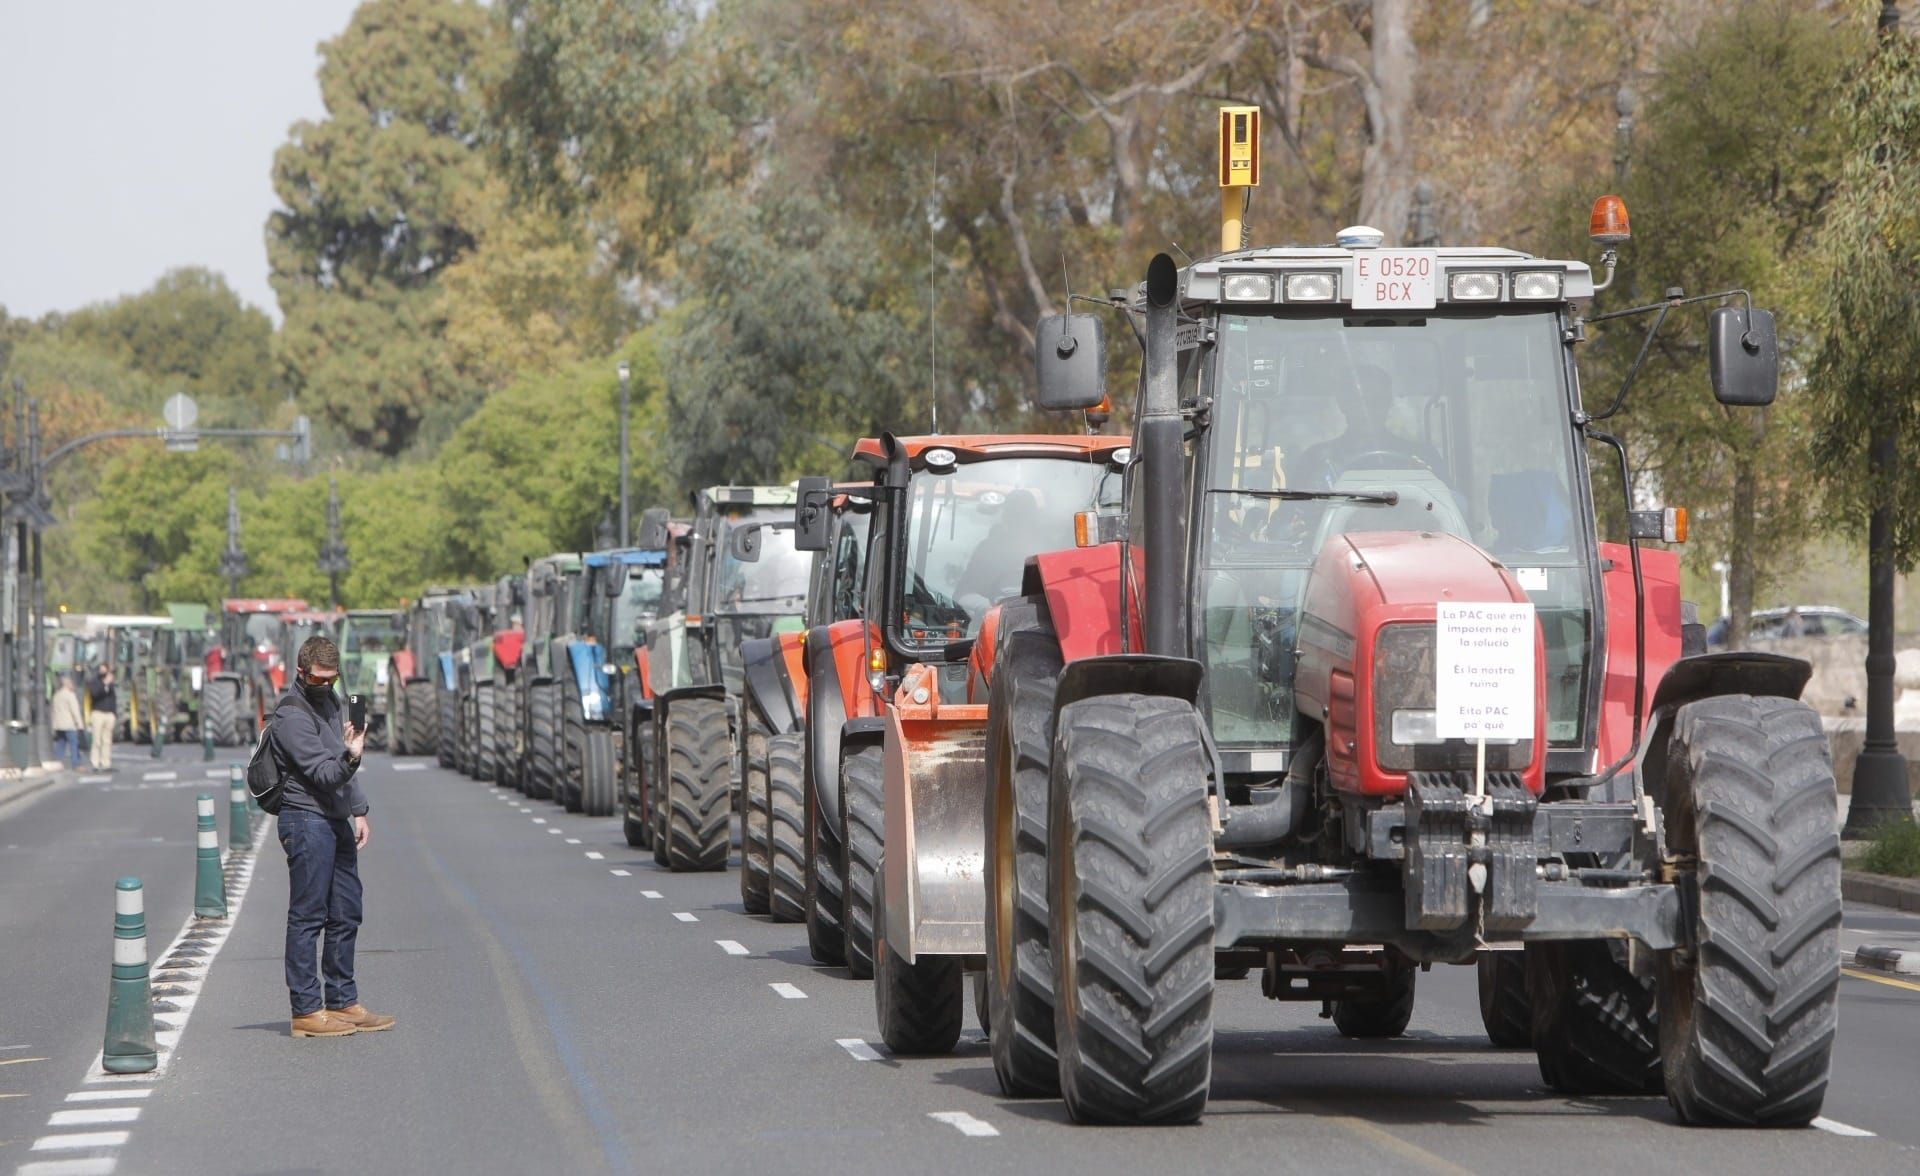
pixel 1236 728
pixel 246 669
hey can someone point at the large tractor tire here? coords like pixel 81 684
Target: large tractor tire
pixel 220 711
pixel 826 887
pixel 1504 1011
pixel 541 740
pixel 486 766
pixel 1747 1020
pixel 1384 1014
pixel 920 1006
pixel 786 829
pixel 754 854
pixel 596 772
pixel 699 785
pixel 862 780
pixel 1131 909
pixel 1019 975
pixel 568 764
pixel 447 735
pixel 422 718
pixel 634 824
pixel 1594 1027
pixel 396 717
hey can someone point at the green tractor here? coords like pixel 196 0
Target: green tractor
pixel 420 672
pixel 166 674
pixel 368 638
pixel 552 609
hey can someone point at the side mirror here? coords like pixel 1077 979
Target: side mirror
pixel 743 542
pixel 1742 356
pixel 653 528
pixel 614 582
pixel 812 514
pixel 1070 362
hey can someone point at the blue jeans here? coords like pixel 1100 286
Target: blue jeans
pixel 323 893
pixel 66 748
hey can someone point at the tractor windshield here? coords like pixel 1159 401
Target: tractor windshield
pixel 636 606
pixel 972 529
pixel 373 634
pixel 1456 423
pixel 774 583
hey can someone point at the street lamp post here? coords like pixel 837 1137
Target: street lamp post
pixel 1881 793
pixel 625 537
pixel 333 553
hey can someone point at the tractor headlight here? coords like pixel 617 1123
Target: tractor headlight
pixel 1246 288
pixel 1538 285
pixel 1473 286
pixel 1405 735
pixel 1310 287
pixel 1414 726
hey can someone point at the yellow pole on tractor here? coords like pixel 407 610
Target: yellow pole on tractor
pixel 1239 172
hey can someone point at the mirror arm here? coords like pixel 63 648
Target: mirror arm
pixel 1639 361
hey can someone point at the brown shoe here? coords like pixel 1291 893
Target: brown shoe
pixel 323 1024
pixel 357 1016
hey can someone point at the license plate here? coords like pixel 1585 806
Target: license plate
pixel 1393 279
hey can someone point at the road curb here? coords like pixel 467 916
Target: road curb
pixel 1902 894
pixel 19 789
pixel 1894 961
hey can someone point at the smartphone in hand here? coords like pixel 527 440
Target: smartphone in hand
pixel 357 711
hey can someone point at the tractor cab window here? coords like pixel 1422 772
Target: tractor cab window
pixel 635 606
pixel 774 583
pixel 971 531
pixel 1462 419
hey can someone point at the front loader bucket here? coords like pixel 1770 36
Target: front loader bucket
pixel 935 856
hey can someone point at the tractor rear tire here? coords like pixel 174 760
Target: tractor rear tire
pixel 1384 1015
pixel 447 740
pixel 754 856
pixel 862 780
pixel 634 824
pixel 1747 1024
pixel 541 738
pixel 1131 910
pixel 220 711
pixel 699 783
pixel 1594 1023
pixel 596 773
pixel 1019 974
pixel 920 1006
pixel 570 789
pixel 786 830
pixel 486 767
pixel 1503 999
pixel 422 718
pixel 396 716
pixel 826 887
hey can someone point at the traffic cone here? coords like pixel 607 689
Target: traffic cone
pixel 239 816
pixel 210 886
pixel 129 1047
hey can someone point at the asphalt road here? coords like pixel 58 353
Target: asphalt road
pixel 555 1016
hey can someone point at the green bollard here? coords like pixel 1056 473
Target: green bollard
pixel 239 817
pixel 129 1047
pixel 206 744
pixel 210 885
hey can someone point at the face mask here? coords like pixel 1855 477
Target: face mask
pixel 316 692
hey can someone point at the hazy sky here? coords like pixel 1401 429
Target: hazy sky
pixel 136 136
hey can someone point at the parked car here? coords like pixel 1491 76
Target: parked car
pixel 1807 620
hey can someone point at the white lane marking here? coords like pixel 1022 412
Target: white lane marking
pixel 788 991
pixel 539 820
pixel 92 1166
pixel 967 1124
pixel 409 767
pixel 96 779
pixel 82 1139
pixel 649 894
pixel 686 916
pixel 160 776
pixel 731 947
pixel 861 1051
pixel 523 808
pixel 111 1095
pixel 570 840
pixel 219 773
pixel 594 855
pixel 555 831
pixel 93 1116
pixel 1835 1127
pixel 621 873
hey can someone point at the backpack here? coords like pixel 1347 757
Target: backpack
pixel 264 781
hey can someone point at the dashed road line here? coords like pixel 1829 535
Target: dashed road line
pixel 732 947
pixel 861 1051
pixel 409 767
pixel 80 1140
pixel 91 1166
pixel 650 894
pixel 219 773
pixel 93 1116
pixel 555 831
pixel 109 1095
pixel 788 991
pixel 570 840
pixel 160 776
pixel 686 916
pixel 965 1123
pixel 539 820
pixel 594 855
pixel 621 873
pixel 96 779
pixel 1835 1127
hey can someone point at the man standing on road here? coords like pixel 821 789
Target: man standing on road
pixel 323 826
pixel 67 722
pixel 105 702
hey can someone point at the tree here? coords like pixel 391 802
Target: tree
pixel 373 200
pixel 188 333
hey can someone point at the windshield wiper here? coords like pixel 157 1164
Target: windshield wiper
pixel 1377 497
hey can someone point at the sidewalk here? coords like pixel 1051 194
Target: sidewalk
pixel 18 783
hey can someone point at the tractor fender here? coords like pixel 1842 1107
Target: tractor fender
pixel 402 666
pixel 1127 673
pixel 980 658
pixel 588 662
pixel 761 682
pixel 1710 675
pixel 826 714
pixel 1082 589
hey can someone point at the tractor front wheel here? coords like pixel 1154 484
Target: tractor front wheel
pixel 422 718
pixel 1130 899
pixel 486 766
pixel 786 830
pixel 1502 977
pixel 1384 1014
pixel 596 772
pixel 1747 1018
pixel 920 1006
pixel 754 856
pixel 862 778
pixel 699 785
pixel 826 888
pixel 220 711
pixel 1594 1028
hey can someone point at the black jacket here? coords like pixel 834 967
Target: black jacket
pixel 103 697
pixel 319 775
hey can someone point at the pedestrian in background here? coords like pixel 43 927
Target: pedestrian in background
pixel 323 827
pixel 105 704
pixel 67 721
